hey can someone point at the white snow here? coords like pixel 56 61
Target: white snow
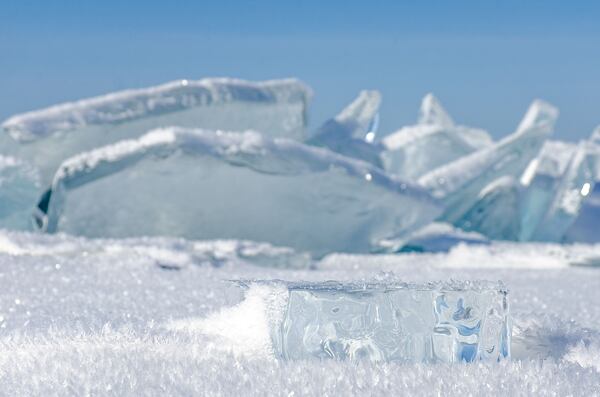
pixel 132 104
pixel 103 317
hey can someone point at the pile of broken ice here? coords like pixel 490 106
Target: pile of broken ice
pixel 230 159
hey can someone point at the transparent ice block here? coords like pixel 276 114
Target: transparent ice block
pixel 383 321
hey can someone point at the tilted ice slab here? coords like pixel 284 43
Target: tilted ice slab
pixel 460 183
pixel 585 227
pixel 572 189
pixel 384 320
pixel 436 140
pixel 48 136
pixel 19 188
pixel 541 179
pixel 352 131
pixel 204 185
pixel 497 211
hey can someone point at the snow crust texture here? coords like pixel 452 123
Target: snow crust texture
pixel 141 317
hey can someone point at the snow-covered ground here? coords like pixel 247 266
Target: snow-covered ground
pixel 157 317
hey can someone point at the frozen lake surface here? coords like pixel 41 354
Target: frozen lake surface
pixel 155 316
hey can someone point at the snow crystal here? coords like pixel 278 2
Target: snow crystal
pixel 110 321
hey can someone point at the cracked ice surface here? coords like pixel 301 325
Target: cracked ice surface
pixel 103 317
pixel 205 184
pixel 48 136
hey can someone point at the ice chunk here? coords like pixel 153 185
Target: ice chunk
pixel 573 187
pixel 352 132
pixel 440 237
pixel 459 183
pixel 496 212
pixel 388 321
pixel 541 180
pixel 275 108
pixel 432 112
pixel 19 188
pixel 204 185
pixel 585 228
pixel 414 150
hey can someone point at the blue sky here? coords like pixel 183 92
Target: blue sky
pixel 485 60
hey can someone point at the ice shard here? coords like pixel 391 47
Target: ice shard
pixel 573 187
pixel 585 228
pixel 386 321
pixel 459 183
pixel 205 185
pixel 19 188
pixel 496 213
pixel 276 108
pixel 436 140
pixel 352 132
pixel 541 180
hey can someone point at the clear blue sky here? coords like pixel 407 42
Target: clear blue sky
pixel 485 60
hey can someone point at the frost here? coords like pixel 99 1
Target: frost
pixel 98 313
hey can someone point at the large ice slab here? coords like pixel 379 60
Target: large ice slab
pixel 205 185
pixel 386 320
pixel 436 140
pixel 19 188
pixel 352 132
pixel 48 136
pixel 460 183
